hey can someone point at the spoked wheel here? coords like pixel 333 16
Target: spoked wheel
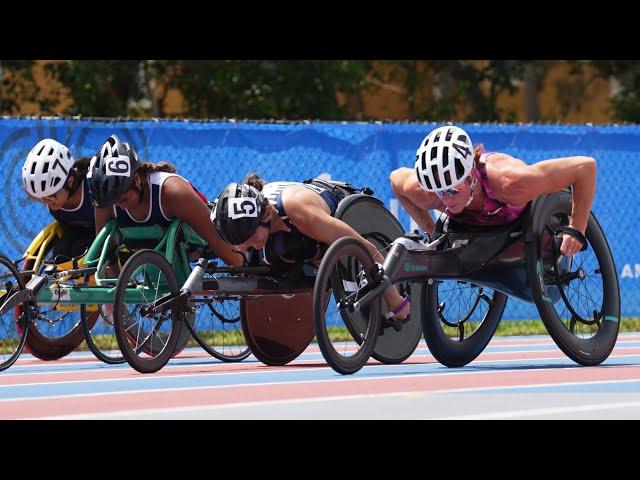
pixel 55 330
pixel 368 216
pixel 101 338
pixel 217 328
pixel 459 319
pixel 346 338
pixel 154 343
pixel 100 335
pixel 13 332
pixel 146 339
pixel 578 298
pixel 395 346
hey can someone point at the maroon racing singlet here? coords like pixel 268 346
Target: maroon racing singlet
pixel 494 212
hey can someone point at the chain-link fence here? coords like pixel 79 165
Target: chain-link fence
pixel 212 154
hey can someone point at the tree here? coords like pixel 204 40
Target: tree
pixel 456 89
pixel 406 77
pixel 626 73
pixel 465 81
pixel 533 76
pixel 254 89
pixel 257 89
pixel 17 85
pixel 107 88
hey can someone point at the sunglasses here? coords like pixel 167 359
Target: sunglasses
pixel 452 192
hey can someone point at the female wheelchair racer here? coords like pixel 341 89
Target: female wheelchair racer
pixel 274 288
pixel 508 230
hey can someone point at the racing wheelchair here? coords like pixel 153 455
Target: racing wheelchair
pixel 464 277
pixel 54 331
pixel 81 286
pixel 274 301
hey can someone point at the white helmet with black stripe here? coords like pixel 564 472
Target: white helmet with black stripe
pixel 444 158
pixel 46 168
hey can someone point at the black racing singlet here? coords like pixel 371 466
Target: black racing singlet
pixel 292 247
pixel 156 214
pixel 82 215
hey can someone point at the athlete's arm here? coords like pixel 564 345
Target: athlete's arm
pixel 517 183
pixel 415 200
pixel 182 202
pixel 102 216
pixel 309 213
pixel 306 210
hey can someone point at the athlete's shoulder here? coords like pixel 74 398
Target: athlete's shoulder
pixel 494 156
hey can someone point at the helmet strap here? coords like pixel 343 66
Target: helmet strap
pixel 473 187
pixel 74 186
pixel 266 224
pixel 140 190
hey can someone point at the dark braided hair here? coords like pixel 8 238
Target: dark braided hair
pixel 78 172
pixel 255 181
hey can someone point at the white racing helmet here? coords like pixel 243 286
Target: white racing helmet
pixel 46 168
pixel 444 158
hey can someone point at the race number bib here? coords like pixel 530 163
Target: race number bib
pixel 118 166
pixel 242 208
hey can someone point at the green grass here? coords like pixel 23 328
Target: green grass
pixel 536 327
pixel 229 337
pixel 507 328
pixel 7 347
pixel 105 342
pixel 337 334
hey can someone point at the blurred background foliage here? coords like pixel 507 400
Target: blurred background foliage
pixel 598 91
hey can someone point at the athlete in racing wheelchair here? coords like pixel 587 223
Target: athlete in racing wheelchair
pixel 275 282
pixel 52 176
pixel 508 229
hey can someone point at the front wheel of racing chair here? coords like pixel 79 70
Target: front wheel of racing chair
pixel 54 330
pixel 578 298
pixel 346 338
pixel 368 216
pixel 146 339
pixel 217 328
pixel 459 318
pixel 215 321
pixel 99 332
pixel 13 333
pixel 100 336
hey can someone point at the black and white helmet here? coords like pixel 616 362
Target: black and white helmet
pixel 111 171
pixel 237 213
pixel 444 158
pixel 46 168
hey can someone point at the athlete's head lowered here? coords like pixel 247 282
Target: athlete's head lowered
pixel 238 212
pixel 111 171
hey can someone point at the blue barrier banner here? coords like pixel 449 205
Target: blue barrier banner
pixel 212 154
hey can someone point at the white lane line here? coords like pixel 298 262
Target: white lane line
pixel 153 411
pixel 535 412
pixel 421 348
pixel 407 394
pixel 537 385
pixel 302 360
pixel 337 379
pixel 295 367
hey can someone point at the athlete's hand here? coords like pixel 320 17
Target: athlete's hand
pixel 570 245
